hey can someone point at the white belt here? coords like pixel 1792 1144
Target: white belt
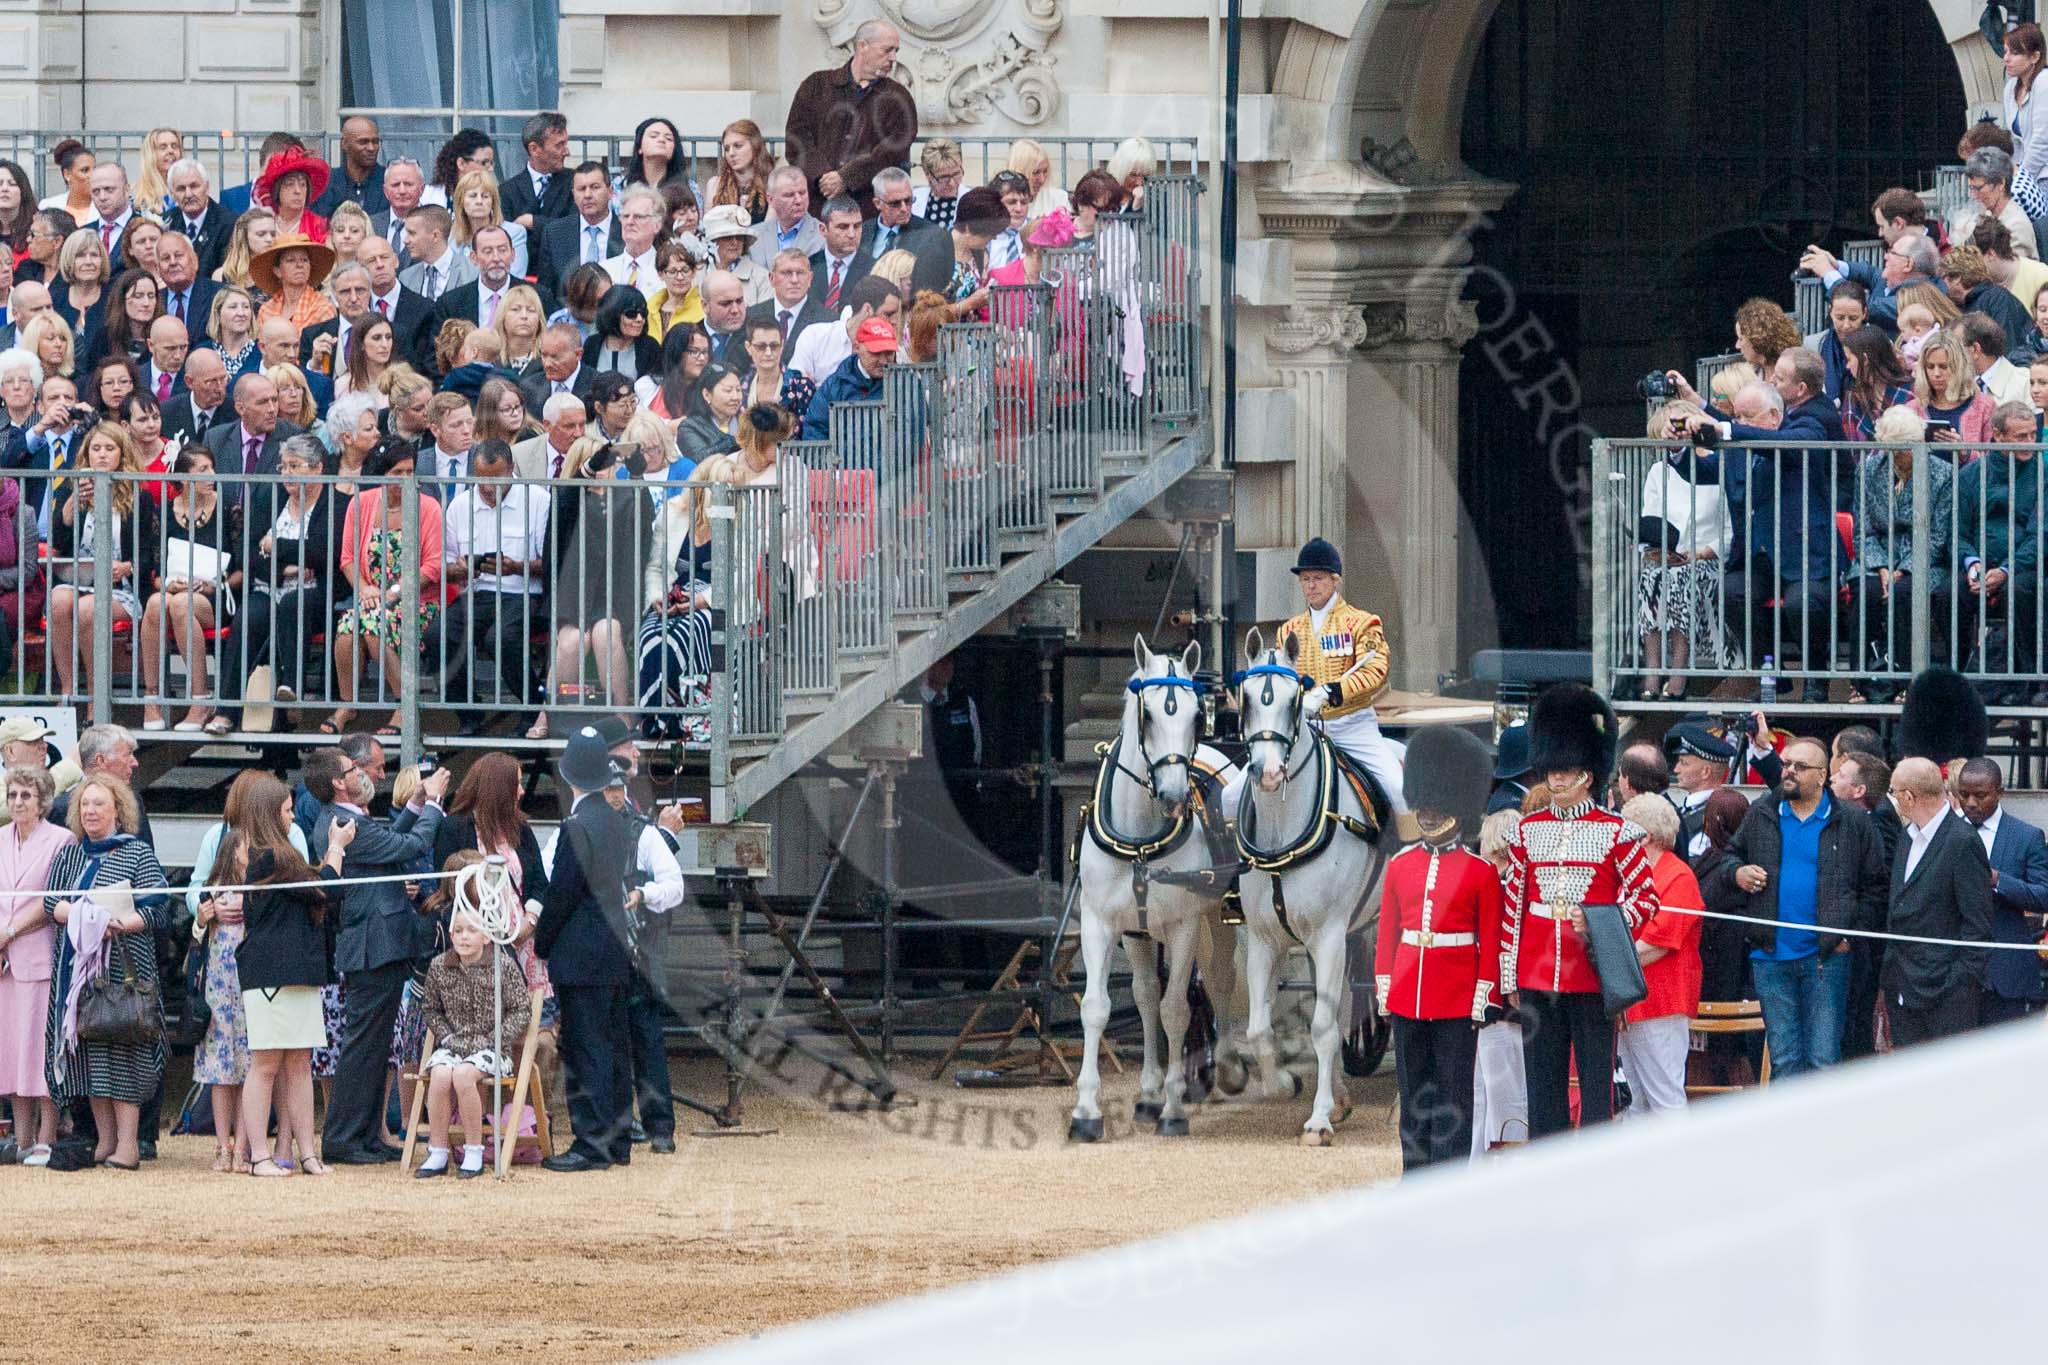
pixel 1423 938
pixel 1558 912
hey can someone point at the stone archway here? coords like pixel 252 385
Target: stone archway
pixel 1367 222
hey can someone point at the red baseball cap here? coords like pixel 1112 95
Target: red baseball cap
pixel 875 336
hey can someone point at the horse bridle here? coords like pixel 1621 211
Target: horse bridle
pixel 1303 682
pixel 1137 687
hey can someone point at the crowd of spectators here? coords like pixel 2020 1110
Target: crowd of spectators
pixel 374 318
pixel 1805 558
pixel 1842 841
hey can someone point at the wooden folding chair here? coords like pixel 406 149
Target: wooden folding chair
pixel 1730 1016
pixel 528 1082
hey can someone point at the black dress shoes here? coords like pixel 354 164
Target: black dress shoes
pixel 662 1144
pixel 573 1161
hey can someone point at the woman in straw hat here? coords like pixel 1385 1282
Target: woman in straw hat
pixel 291 273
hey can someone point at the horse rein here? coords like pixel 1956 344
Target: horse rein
pixel 1271 670
pixel 1137 687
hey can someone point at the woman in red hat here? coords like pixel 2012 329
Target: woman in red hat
pixel 290 182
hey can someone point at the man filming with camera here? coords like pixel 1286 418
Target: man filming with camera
pixel 1783 508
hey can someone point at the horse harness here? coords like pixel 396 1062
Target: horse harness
pixel 1140 851
pixel 1330 768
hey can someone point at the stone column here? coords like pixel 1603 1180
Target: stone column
pixel 1365 355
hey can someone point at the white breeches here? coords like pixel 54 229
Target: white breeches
pixel 1358 735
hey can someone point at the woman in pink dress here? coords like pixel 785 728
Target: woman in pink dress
pixel 26 938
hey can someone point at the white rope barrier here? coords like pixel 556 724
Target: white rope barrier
pixel 1850 933
pixel 321 882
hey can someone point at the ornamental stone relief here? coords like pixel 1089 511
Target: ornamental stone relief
pixel 965 61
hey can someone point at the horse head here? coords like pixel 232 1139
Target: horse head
pixel 1167 703
pixel 1272 702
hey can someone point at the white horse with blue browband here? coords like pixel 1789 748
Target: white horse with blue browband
pixel 1315 861
pixel 1146 879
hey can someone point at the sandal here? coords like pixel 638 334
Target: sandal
pixel 114 1165
pixel 336 722
pixel 539 729
pixel 388 732
pixel 276 1172
pixel 313 1165
pixel 223 1161
pixel 220 726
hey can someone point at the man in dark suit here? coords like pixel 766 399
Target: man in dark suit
pixel 2019 892
pixel 380 936
pixel 163 373
pixel 479 300
pixel 790 305
pixel 559 369
pixel 725 316
pixel 895 226
pixel 1941 888
pixel 189 415
pixel 200 221
pixel 187 296
pixel 539 191
pixel 1782 504
pixel 587 939
pixel 350 286
pixel 249 444
pixel 842 264
pixel 590 234
pixel 408 309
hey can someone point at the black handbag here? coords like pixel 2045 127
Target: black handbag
pixel 1613 953
pixel 121 1007
pixel 194 1018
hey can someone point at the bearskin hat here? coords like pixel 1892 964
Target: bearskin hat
pixel 1943 718
pixel 1449 771
pixel 1572 726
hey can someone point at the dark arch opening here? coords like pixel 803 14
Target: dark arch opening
pixel 1672 156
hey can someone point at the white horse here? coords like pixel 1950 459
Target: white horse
pixel 1141 860
pixel 1300 827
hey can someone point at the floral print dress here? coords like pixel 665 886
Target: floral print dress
pixel 223 1055
pixel 386 555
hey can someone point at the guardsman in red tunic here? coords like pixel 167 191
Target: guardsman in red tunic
pixel 1568 855
pixel 1439 945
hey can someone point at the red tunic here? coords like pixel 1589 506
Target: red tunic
pixel 1673 979
pixel 1579 856
pixel 1439 942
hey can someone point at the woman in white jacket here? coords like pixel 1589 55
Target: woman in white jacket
pixel 2024 56
pixel 1684 533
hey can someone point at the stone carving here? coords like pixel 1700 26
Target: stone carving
pixel 965 61
pixel 1370 326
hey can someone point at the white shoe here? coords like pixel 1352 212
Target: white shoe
pixel 190 727
pixel 38 1155
pixel 153 723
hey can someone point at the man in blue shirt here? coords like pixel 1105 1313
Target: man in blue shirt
pixel 1813 864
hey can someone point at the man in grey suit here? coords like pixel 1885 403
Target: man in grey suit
pixel 436 265
pixel 2019 892
pixel 562 417
pixel 1941 888
pixel 789 225
pixel 404 183
pixel 380 936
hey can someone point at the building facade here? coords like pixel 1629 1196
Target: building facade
pixel 1356 212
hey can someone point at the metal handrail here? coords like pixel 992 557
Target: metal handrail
pixel 1964 505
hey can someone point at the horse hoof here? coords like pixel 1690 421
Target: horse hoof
pixel 1173 1127
pixel 1293 1084
pixel 1084 1130
pixel 1316 1137
pixel 1232 1076
pixel 1148 1109
pixel 1342 1112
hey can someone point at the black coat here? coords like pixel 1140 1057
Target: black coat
pixel 698 438
pixel 216 226
pixel 1850 890
pixel 1724 944
pixel 534 385
pixel 646 357
pixel 284 944
pixel 561 248
pixel 821 277
pixel 1948 896
pixel 2019 856
pixel 515 196
pixel 808 311
pixel 458 832
pixel 460 302
pixel 584 933
pixel 181 419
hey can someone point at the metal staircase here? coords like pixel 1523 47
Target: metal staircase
pixel 975 476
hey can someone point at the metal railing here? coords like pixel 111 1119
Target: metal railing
pixel 1951 190
pixel 1831 561
pixel 1810 292
pixel 234 158
pixel 814 578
